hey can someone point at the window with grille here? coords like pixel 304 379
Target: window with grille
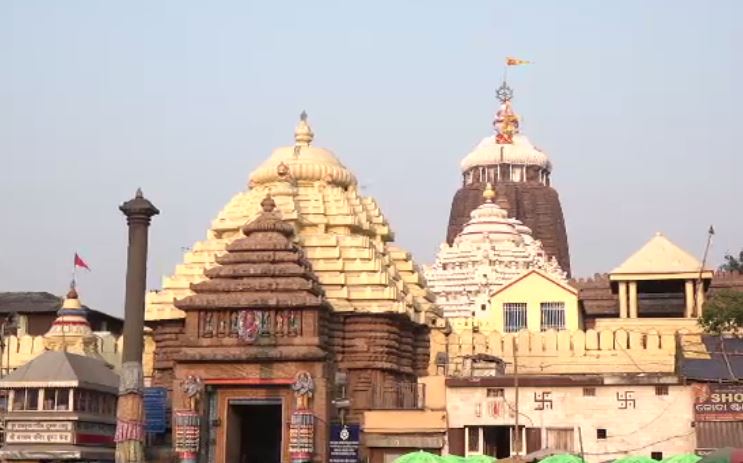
pixel 514 316
pixel 661 390
pixel 553 315
pixel 589 392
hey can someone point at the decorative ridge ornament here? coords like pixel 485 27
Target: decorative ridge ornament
pixel 269 220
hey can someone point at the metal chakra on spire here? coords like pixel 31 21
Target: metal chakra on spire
pixel 506 121
pixel 504 92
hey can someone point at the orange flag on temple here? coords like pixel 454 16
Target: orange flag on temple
pixel 510 61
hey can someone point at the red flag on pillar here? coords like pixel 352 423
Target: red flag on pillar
pixel 79 262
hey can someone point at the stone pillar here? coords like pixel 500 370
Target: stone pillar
pixel 632 299
pixel 689 298
pixel 622 299
pixel 130 410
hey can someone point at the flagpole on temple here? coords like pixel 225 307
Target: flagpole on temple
pixel 130 408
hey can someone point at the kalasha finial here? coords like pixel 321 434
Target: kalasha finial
pixel 72 293
pixel 489 193
pixel 139 194
pixel 268 204
pixel 303 133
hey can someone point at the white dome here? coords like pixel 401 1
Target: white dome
pixel 520 152
pixel 303 162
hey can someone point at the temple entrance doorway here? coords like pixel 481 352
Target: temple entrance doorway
pixel 254 431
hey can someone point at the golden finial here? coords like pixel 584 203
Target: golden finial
pixel 303 133
pixel 489 193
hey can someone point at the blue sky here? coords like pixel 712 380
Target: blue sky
pixel 636 102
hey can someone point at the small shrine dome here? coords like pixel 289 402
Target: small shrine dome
pixel 303 162
pixel 490 221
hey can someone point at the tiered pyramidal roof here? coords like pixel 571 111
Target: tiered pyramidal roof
pixel 263 270
pixel 491 250
pixel 343 235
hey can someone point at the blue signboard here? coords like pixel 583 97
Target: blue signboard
pixel 344 443
pixel 155 414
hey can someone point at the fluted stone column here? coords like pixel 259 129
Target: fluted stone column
pixel 130 409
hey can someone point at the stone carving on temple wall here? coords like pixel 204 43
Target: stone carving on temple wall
pixel 193 390
pixel 250 325
pixel 304 388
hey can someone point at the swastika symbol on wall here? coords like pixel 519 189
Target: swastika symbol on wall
pixel 626 400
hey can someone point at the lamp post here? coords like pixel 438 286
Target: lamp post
pixel 130 409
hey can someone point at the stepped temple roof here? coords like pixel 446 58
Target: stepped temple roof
pixel 342 234
pixel 521 175
pixel 491 250
pixel 264 269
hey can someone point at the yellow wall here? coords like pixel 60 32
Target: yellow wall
pixel 533 289
pixel 22 349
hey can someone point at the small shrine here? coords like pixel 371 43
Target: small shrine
pixel 62 404
pixel 491 250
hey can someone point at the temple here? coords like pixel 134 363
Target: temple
pixel 490 251
pixel 297 309
pixel 62 404
pixel 521 175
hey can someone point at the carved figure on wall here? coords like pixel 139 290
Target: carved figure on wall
pixel 208 324
pixel 280 323
pixel 264 322
pixel 303 388
pixel 192 388
pixel 293 323
pixel 248 326
pixel 234 323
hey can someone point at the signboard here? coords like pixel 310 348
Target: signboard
pixel 718 402
pixel 17 437
pixel 344 443
pixel 155 402
pixel 48 426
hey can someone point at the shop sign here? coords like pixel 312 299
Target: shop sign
pixel 718 402
pixel 39 426
pixel 344 443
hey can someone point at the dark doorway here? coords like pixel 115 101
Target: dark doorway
pixel 497 440
pixel 254 431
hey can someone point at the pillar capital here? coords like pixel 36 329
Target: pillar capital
pixel 138 209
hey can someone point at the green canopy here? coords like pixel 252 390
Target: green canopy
pixel 635 459
pixel 453 459
pixel 563 458
pixel 418 457
pixel 682 458
pixel 724 455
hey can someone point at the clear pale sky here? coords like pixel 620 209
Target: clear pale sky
pixel 636 102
